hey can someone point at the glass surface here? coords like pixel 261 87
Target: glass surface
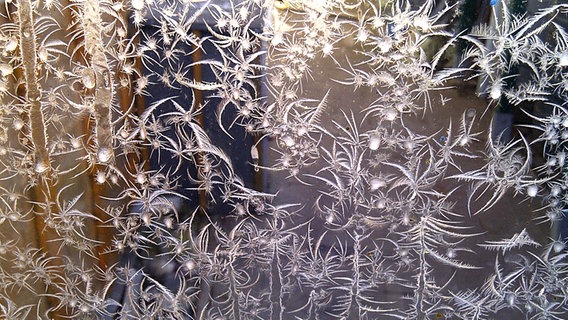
pixel 263 159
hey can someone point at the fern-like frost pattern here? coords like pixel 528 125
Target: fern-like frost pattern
pixel 283 159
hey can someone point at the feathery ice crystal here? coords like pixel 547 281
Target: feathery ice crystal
pixel 283 159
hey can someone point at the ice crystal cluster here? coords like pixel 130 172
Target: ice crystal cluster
pixel 265 159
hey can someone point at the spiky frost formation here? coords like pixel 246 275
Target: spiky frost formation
pixel 263 159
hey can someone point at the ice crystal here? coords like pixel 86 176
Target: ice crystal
pixel 280 159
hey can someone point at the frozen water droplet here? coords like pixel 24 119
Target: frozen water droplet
pixel 385 44
pixel 43 54
pixel 391 114
pixel 138 4
pixel 88 79
pixel 75 143
pixel 146 219
pixel 511 299
pixel 563 60
pixel 240 210
pixel 169 223
pixel 327 49
pixel 288 141
pixel 6 69
pixel 302 130
pixel 558 246
pixel 377 183
pixel 532 190
pixel 422 22
pixel 190 265
pixel 254 153
pixel 12 44
pixel 294 171
pixel 206 167
pixel 101 177
pixel 555 191
pixel 104 155
pixel 18 124
pixel 495 92
pixel 41 166
pixel 27 33
pixel 141 178
pixel 255 157
pixel 374 142
pixel 362 35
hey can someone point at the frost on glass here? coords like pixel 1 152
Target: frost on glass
pixel 263 159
